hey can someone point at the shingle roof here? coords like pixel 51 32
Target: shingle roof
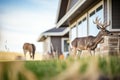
pixel 54 32
pixel 61 29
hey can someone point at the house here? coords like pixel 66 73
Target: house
pixel 55 39
pixel 79 15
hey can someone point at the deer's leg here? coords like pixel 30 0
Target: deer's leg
pixel 30 53
pixel 94 52
pixel 25 53
pixel 79 52
pixel 89 50
pixel 74 50
pixel 33 55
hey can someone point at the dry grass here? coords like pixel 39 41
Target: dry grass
pixel 14 56
pixel 9 56
pixel 11 68
pixel 15 70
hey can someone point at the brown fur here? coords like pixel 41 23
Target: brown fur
pixel 27 47
pixel 90 42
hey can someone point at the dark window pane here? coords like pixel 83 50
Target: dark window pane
pixel 115 14
pixel 99 8
pixel 92 13
pixel 84 19
pixel 66 44
pixel 79 22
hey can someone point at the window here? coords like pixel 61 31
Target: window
pixel 115 15
pixel 97 12
pixel 65 45
pixel 73 33
pixel 82 28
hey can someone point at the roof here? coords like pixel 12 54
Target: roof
pixel 53 32
pixel 77 9
pixel 62 7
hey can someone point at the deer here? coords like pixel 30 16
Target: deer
pixel 90 42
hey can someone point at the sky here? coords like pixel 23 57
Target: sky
pixel 23 21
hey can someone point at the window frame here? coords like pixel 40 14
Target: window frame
pixel 81 20
pixel 76 23
pixel 109 10
pixel 94 9
pixel 63 39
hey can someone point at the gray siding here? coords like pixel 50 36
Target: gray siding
pixel 56 42
pixel 63 9
pixel 72 3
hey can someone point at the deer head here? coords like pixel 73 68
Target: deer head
pixel 102 26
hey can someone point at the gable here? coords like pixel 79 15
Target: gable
pixel 71 4
pixel 62 9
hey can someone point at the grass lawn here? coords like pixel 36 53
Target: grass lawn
pixel 84 68
pixel 88 68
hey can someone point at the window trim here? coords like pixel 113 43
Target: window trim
pixel 76 24
pixel 71 32
pixel 87 15
pixel 109 10
pixel 63 39
pixel 81 20
pixel 95 7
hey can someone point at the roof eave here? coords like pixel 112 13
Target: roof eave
pixel 69 13
pixel 57 33
pixel 58 10
pixel 43 36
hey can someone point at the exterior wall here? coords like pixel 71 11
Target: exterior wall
pixel 84 24
pixel 46 47
pixel 71 3
pixel 111 45
pixel 56 43
pixel 111 10
pixel 62 11
pixel 53 42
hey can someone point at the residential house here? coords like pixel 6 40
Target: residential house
pixel 79 15
pixel 55 39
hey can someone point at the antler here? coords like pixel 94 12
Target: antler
pixel 106 24
pixel 100 24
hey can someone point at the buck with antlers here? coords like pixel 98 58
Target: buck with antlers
pixel 90 42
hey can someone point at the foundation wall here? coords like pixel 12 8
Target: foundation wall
pixel 110 45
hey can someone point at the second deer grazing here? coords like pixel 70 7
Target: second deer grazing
pixel 90 42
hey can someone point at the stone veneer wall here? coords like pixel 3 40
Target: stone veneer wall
pixel 110 45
